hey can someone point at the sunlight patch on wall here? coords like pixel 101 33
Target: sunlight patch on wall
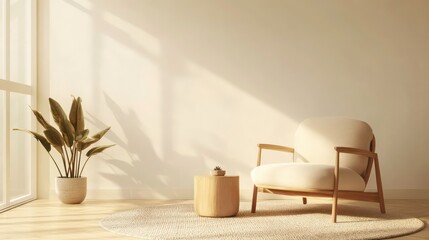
pixel 134 33
pixel 215 119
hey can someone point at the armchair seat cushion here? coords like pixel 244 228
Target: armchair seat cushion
pixel 306 176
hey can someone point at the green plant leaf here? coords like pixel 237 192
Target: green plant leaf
pixel 73 114
pixel 85 142
pixel 96 150
pixel 82 135
pixel 62 121
pixel 41 119
pixel 76 116
pixel 54 137
pixel 38 137
pixel 100 134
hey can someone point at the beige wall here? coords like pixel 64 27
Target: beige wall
pixel 188 85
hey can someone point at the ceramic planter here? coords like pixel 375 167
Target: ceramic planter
pixel 71 190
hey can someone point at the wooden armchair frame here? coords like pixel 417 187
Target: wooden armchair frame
pixel 335 194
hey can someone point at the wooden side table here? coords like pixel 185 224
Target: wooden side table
pixel 216 196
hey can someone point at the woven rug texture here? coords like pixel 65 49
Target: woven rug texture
pixel 272 220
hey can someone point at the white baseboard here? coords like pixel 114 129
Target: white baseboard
pixel 245 194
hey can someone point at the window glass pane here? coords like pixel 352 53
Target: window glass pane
pixel 20 147
pixel 20 41
pixel 2 53
pixel 16 65
pixel 2 144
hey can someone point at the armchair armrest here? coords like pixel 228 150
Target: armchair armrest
pixel 276 147
pixel 357 151
pixel 373 157
pixel 272 147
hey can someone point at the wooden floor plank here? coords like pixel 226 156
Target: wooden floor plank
pixel 49 219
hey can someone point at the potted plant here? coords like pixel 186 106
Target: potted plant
pixel 217 171
pixel 70 141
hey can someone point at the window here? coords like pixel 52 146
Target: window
pixel 17 93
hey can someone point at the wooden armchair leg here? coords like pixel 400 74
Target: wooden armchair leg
pixel 381 200
pixel 335 195
pixel 382 207
pixel 379 186
pixel 334 209
pixel 304 200
pixel 254 198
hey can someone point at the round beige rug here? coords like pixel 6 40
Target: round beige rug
pixel 272 220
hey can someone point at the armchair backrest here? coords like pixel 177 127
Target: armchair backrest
pixel 316 138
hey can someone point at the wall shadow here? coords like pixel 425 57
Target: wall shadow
pixel 143 169
pixel 237 41
pixel 319 71
pixel 243 43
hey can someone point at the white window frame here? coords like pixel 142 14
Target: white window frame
pixel 13 87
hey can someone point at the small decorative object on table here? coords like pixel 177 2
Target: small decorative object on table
pixel 217 171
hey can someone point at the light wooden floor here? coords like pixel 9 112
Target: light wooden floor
pixel 49 219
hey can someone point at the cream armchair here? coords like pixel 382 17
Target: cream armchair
pixel 333 157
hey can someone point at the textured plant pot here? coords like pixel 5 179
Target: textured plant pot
pixel 71 190
pixel 217 172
